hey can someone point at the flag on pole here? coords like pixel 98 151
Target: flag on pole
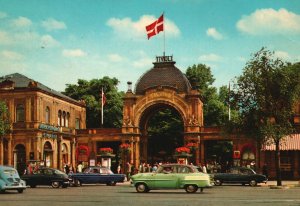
pixel 155 27
pixel 103 101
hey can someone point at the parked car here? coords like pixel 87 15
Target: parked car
pixel 47 176
pixel 10 180
pixel 241 175
pixel 96 174
pixel 172 176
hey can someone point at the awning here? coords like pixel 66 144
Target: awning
pixel 290 142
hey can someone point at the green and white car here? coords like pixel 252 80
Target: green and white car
pixel 10 180
pixel 171 176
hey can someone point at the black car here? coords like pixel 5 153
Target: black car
pixel 240 175
pixel 95 174
pixel 47 176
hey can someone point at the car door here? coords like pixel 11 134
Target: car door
pixel 233 176
pixel 48 177
pixel 167 177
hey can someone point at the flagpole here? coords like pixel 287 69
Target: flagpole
pixel 102 107
pixel 229 112
pixel 164 35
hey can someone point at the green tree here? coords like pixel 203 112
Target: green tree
pixel 215 109
pixel 4 119
pixel 265 95
pixel 90 92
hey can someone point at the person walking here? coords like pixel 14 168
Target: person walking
pixel 79 167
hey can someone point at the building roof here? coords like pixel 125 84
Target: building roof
pixel 290 142
pixel 21 82
pixel 164 74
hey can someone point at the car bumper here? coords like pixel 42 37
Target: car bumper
pixel 14 187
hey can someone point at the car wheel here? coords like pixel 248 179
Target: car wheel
pixel 2 191
pixel 77 183
pixel 111 183
pixel 32 186
pixel 191 188
pixel 55 184
pixel 218 182
pixel 253 183
pixel 64 186
pixel 141 187
pixel 20 190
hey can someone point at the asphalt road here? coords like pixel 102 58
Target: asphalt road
pixel 124 195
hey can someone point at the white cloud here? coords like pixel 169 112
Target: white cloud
pixel 212 32
pixel 115 57
pixel 48 41
pixel 11 55
pixel 270 21
pixel 210 58
pixel 5 38
pixel 52 24
pixel 2 15
pixel 142 63
pixel 73 53
pixel 282 55
pixel 129 28
pixel 22 22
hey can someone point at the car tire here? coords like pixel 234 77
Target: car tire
pixel 191 188
pixel 32 186
pixel 20 190
pixel 55 184
pixel 77 183
pixel 141 187
pixel 253 183
pixel 64 186
pixel 218 182
pixel 111 183
pixel 2 191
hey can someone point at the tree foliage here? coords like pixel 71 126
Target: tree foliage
pixel 265 95
pixel 4 119
pixel 215 104
pixel 90 92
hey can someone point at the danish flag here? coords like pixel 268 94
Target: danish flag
pixel 156 27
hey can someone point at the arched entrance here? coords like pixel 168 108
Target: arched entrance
pixel 65 154
pixel 163 86
pixel 20 158
pixel 48 154
pixel 162 131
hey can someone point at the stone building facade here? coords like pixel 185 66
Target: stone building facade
pixel 43 124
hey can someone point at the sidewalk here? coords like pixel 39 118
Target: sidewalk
pixel 283 182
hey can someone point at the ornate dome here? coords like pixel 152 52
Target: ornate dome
pixel 163 74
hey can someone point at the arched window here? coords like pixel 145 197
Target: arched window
pixel 59 118
pixel 67 119
pixel 47 117
pixel 64 119
pixel 20 113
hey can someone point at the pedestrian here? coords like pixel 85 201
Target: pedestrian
pixel 67 169
pixel 119 169
pixel 204 169
pixel 128 171
pixel 79 167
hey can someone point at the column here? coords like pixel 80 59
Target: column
pixel 133 151
pixel 1 151
pixel 10 150
pixel 202 158
pixel 296 165
pixel 73 146
pixel 137 152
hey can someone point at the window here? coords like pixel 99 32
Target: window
pixel 67 119
pixel 47 118
pixel 77 123
pixel 59 118
pixel 20 113
pixel 63 124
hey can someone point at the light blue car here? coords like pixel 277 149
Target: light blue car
pixel 10 180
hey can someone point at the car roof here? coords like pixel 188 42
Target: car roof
pixel 4 167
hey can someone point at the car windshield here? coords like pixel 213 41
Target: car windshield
pixel 58 172
pixel 9 172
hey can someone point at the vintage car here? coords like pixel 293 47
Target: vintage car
pixel 241 175
pixel 96 174
pixel 171 176
pixel 47 176
pixel 10 180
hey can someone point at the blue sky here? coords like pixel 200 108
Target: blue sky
pixel 57 42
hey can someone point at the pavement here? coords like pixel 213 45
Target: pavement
pixel 285 183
